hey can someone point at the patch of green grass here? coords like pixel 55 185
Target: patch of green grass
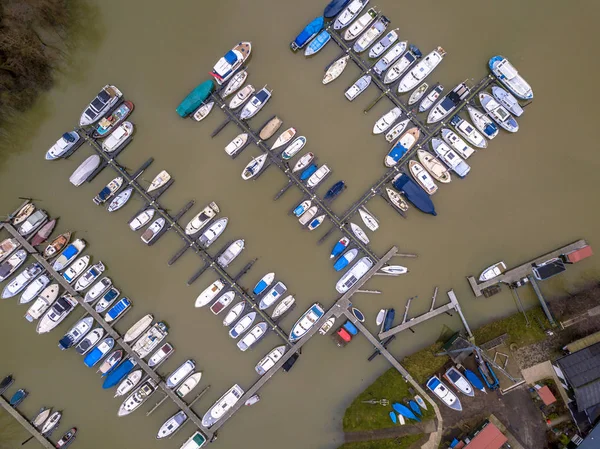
pixel 424 364
pixel 391 386
pixel 392 443
pixel 516 326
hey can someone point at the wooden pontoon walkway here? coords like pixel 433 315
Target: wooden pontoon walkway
pixel 26 424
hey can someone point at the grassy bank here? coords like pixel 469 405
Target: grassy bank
pixel 516 326
pixel 392 443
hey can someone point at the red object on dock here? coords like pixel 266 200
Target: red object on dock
pixel 579 254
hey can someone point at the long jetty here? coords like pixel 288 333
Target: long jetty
pixel 26 424
pixel 107 327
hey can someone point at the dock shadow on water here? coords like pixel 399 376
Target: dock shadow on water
pixel 11 432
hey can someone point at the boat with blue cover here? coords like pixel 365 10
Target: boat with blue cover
pixel 117 310
pixel 307 33
pixel 306 322
pixel 262 285
pixel 119 373
pixel 302 207
pixel 96 354
pixel 18 397
pixel 393 417
pixel 195 98
pixel 335 190
pixel 443 393
pixel 396 153
pixel 390 314
pixel 308 172
pixel 339 247
pixel 334 8
pixel 405 411
pixel 345 259
pixel 474 379
pixel 226 67
pixel 415 407
pixel 413 193
pixel 509 76
pixel 317 44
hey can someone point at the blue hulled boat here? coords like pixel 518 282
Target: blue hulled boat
pixel 393 417
pixel 339 247
pixel 117 310
pixel 389 320
pixel 334 8
pixel 308 172
pixel 474 379
pixel 317 43
pixel 195 98
pixel 307 33
pixel 405 411
pixel 335 190
pixel 119 373
pixel 96 354
pixel 345 259
pixel 415 407
pixel 414 194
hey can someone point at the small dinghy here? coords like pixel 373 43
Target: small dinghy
pixel 253 336
pixel 459 381
pixel 188 385
pixel 507 100
pixel 153 230
pixel 359 233
pixel 344 260
pixel 396 199
pixel 7 246
pixel 177 376
pixel 127 384
pixel 267 362
pixel 42 235
pixel 98 353
pixel 387 120
pixel 394 269
pixel 358 87
pixel 327 325
pixel 56 245
pixel 213 232
pixel 404 411
pixel 89 341
pixel 10 265
pixel 76 333
pixel 100 105
pixel 85 169
pixel 492 271
pixel 90 275
pixel 418 94
pixel 256 103
pixel 421 71
pixel 118 137
pixel 270 128
pixel 234 314
pixel 108 124
pixel 360 24
pixel 171 425
pixel 234 83
pixel 498 113
pixel 402 146
pixel 293 148
pixel 283 307
pixel 334 190
pixel 242 325
pixel 483 123
pixel 302 207
pixel 318 176
pixel 264 283
pixel 431 98
pixel 161 354
pixel 284 138
pixel 434 166
pixel 236 144
pixel 241 97
pixel 202 218
pixel 137 398
pixel 474 380
pixel 371 35
pixel 231 253
pixel 509 76
pixel 41 417
pixel 415 407
pixel 393 417
pixel 108 191
pixel 396 130
pixel 138 328
pixel 316 222
pixel 42 303
pixel 63 145
pixel 223 302
pixel 209 293
pixel 391 56
pixel 443 393
pixel 419 400
pixel 317 44
pixel 457 144
pixel 141 219
pixel 358 314
pixel 307 216
pixel 226 66
pixel 368 219
pixel 450 158
pixel 254 167
pixel 303 162
pixel 67 438
pixel 97 290
pixel 120 200
pixel 159 181
pixel 468 131
pixel 398 68
pixel 22 280
pixel 76 268
pixel 202 112
pixel 349 14
pixel 448 103
pixel 309 32
pixel 34 289
pixel 308 172
pixel 380 317
pixel 107 299
pixel 335 69
pixel 384 43
pixel 51 423
pixel 339 247
pixel 306 322
pixel 422 177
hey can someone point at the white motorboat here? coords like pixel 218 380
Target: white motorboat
pixel 293 148
pixel 253 336
pixel 209 293
pixel 221 407
pixel 349 13
pixel 359 233
pixel 76 333
pixel 7 246
pixel 108 191
pixel 327 325
pixel 431 98
pixel 51 423
pixel 492 271
pixel 283 306
pixel 242 325
pixel 284 138
pixel 153 230
pixel 403 145
pixel 450 158
pixel 394 269
pixel 22 280
pixel 507 100
pixel 422 177
pixel 435 168
pixel 398 128
pixel 306 322
pixel 150 339
pixel 100 105
pixel 33 222
pixel 107 299
pixel 127 384
pixel 268 361
pixel 98 289
pixel 303 162
pixel 422 70
pixel 213 232
pixel 236 144
pixel 63 145
pixel 370 36
pixel 448 103
pixel 235 83
pixel 231 253
pixel 457 144
pixel 354 274
pixel 137 398
pixel 254 167
pixel 460 382
pixel 468 132
pixel 10 265
pixel 118 137
pixel 358 87
pixel 201 219
pixel 223 302
pixel 241 97
pixel 57 312
pixel 317 177
pixel 138 328
pixel 335 69
pixel 90 340
pixel 161 354
pixel 443 393
pixel 141 219
pixel 316 222
pixel 498 113
pixel 256 103
pixel 177 376
pixel 76 268
pixel 171 424
pixel 90 275
pixel 396 199
pixel 34 289
pixel 307 216
pixel 202 112
pixel 417 94
pixel 360 24
pixel 483 123
pixel 272 296
pixel 159 181
pixel 196 441
pixel 188 384
pixel 85 169
pixel 384 43
pixel 226 66
pixel 387 120
pixel 509 76
pixel 120 200
pixel 368 219
pixel 391 56
pixel 402 64
pixel 234 313
pixel 42 303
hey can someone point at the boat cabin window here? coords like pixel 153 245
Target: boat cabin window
pixel 90 113
pixel 104 96
pixel 502 113
pixel 97 104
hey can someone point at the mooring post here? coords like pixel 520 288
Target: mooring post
pixel 433 299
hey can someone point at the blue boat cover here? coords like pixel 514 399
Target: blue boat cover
pixel 68 137
pixel 69 251
pixel 334 8
pixel 415 407
pixel 389 320
pixel 335 190
pixel 415 194
pixel 490 129
pixel 195 98
pixel 118 374
pixel 351 328
pixel 66 342
pixel 231 57
pixel 104 193
pixel 309 31
pixel 118 308
pixel 319 42
pixel 433 382
pixel 92 358
pixel 308 172
pixel 259 287
pixel 474 379
pixel 397 152
pixel 393 417
pixel 340 264
pixel 337 249
pixel 404 411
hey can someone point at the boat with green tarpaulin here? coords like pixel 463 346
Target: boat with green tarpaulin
pixel 195 98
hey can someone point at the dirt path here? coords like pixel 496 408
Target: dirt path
pixel 390 432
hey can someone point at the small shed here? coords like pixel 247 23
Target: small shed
pixel 489 437
pixel 546 395
pixel 579 254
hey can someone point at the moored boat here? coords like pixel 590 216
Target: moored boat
pixel 498 113
pixel 358 87
pixel 107 299
pixel 431 98
pixel 422 70
pixel 202 112
pixel 223 302
pixel 293 148
pixel 306 322
pixel 22 280
pixel 303 162
pixel 107 124
pixel 317 44
pixel 443 393
pixel 234 83
pixel 334 7
pixel 7 246
pixel 63 146
pixel 194 99
pixel 233 314
pixel 354 274
pixel 56 245
pixel 387 120
pixel 196 441
pixel 339 247
pixel 89 341
pixel 308 172
pixel 370 36
pixel 42 303
pixel 422 177
pixel 84 170
pixel 138 328
pixel 383 44
pixel 213 232
pixel 188 385
pixel 100 105
pixel 394 269
pixel 256 103
pixel 302 207
pixel 335 69
pixel 483 123
pixel 334 190
pixel 172 424
pixel 241 97
pixel 120 200
pixel 118 137
pixel 309 31
pixel 448 103
pixel 209 293
pixel 231 253
pixel 263 284
pixel 6 383
pixel 226 67
pixel 110 362
pixel 76 268
pixel 360 24
pixel 434 166
pixel 225 402
pixel 51 423
pixel 153 230
pixel 268 361
pixel 396 130
pixel 308 215
pixel 402 64
pixel 177 376
pixel 161 354
pixel 67 438
pixel 90 275
pixel 33 222
pixel 201 219
pixel 98 352
pixel 10 265
pixel 283 307
pixel 417 94
pixel 509 76
pixel 457 144
pixel 117 310
pixel 34 289
pixel 150 339
pixel 108 191
pixel 450 158
pixel 492 271
pixel 137 398
pixel 396 199
pixel 41 417
pixel 159 181
pixel 284 138
pixel 236 144
pixel 344 260
pixel 127 384
pixel 254 167
pixel 507 100
pixel 253 336
pixel 349 13
pixel 270 128
pixel 402 146
pixel 368 219
pixel 22 214
pixel 242 325
pixel 272 296
pixel 391 56
pixel 468 131
pixel 98 289
pixel 318 176
pixel 56 314
pixel 18 397
pixel 327 325
pixel 76 333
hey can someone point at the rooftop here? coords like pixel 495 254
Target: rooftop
pixel 546 395
pixel 488 438
pixel 582 371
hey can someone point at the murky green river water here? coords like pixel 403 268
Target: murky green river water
pixel 527 194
